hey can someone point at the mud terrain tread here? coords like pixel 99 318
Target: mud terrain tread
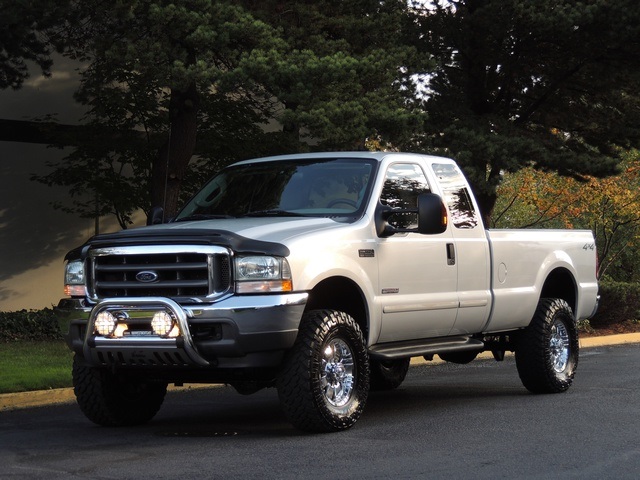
pixel 533 350
pixel 388 375
pixel 110 401
pixel 298 383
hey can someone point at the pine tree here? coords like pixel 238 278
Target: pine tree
pixel 204 76
pixel 549 83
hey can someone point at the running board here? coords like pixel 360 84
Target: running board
pixel 429 346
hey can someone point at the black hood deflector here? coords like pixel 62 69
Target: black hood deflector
pixel 172 236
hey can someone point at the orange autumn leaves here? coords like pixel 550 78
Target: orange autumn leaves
pixel 610 207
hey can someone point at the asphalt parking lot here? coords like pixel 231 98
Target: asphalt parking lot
pixel 12 401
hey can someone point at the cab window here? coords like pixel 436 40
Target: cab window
pixel 402 185
pixel 456 195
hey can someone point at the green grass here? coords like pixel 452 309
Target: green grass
pixel 34 365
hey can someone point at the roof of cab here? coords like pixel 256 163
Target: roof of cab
pixel 378 156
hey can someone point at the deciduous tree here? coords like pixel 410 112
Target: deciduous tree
pixel 610 207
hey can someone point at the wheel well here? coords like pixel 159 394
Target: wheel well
pixel 340 293
pixel 560 284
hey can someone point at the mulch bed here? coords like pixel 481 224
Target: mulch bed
pixel 627 326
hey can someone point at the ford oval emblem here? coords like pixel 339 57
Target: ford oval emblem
pixel 147 276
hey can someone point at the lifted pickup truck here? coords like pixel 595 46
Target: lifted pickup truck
pixel 321 275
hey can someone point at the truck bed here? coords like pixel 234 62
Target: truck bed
pixel 521 259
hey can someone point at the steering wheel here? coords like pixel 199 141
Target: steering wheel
pixel 346 201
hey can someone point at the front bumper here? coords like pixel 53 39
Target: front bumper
pixel 237 332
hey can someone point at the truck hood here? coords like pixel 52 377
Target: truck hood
pixel 243 235
pixel 269 229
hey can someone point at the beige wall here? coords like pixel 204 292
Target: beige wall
pixel 33 236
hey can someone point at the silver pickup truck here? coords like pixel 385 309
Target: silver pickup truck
pixel 322 275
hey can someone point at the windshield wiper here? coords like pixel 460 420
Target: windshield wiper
pixel 202 216
pixel 273 213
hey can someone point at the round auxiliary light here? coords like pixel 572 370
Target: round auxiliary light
pixel 162 323
pixel 105 324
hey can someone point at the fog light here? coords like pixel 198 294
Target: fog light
pixel 105 324
pixel 162 323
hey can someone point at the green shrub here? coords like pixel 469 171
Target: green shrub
pixel 29 325
pixel 619 302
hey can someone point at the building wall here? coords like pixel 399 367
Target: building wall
pixel 34 237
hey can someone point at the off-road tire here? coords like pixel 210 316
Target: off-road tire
pixel 388 374
pixel 461 358
pixel 114 400
pixel 547 350
pixel 320 389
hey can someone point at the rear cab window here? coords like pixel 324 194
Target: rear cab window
pixel 456 195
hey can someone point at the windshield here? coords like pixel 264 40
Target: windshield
pixel 317 187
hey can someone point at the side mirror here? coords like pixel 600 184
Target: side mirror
pixel 156 216
pixel 432 217
pixel 432 214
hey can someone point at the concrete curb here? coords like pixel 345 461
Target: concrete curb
pixel 59 396
pixel 14 401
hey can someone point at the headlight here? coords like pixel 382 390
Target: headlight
pixel 259 274
pixel 74 279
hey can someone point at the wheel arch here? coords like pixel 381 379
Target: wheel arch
pixel 561 283
pixel 343 294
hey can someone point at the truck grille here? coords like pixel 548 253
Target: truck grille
pixel 159 271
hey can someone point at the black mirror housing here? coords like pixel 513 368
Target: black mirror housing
pixel 432 217
pixel 156 216
pixel 432 214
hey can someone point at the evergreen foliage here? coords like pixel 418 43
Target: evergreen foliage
pixel 167 70
pixel 216 73
pixel 28 34
pixel 504 84
pixel 549 83
pixel 346 72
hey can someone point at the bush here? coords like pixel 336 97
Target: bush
pixel 619 302
pixel 29 325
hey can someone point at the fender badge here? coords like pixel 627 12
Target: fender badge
pixel 390 290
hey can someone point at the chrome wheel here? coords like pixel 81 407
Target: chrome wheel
pixel 559 346
pixel 547 350
pixel 337 375
pixel 324 382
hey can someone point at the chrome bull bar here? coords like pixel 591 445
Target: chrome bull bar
pixel 142 350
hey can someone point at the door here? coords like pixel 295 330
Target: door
pixel 418 279
pixel 471 250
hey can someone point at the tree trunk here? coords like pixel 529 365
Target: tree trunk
pixel 174 156
pixel 486 204
pixel 291 127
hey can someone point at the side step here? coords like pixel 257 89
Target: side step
pixel 427 346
